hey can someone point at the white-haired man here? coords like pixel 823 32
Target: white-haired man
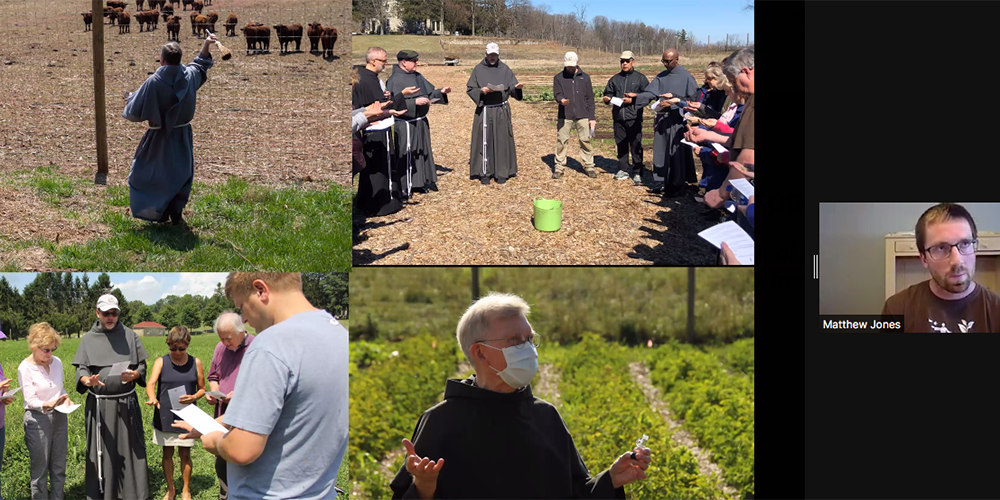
pixel 233 343
pixel 497 438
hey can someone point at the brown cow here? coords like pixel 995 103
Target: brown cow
pixel 202 22
pixel 258 37
pixel 315 32
pixel 88 18
pixel 114 14
pixel 329 38
pixel 198 5
pixel 213 16
pixel 173 28
pixel 194 26
pixel 117 4
pixel 230 24
pixel 186 3
pixel 124 22
pixel 140 17
pixel 288 34
pixel 168 12
pixel 155 18
pixel 138 5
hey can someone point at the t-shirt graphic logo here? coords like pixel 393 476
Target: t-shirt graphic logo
pixel 943 328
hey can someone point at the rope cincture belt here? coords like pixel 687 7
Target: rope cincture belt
pixel 100 452
pixel 175 126
pixel 409 161
pixel 484 131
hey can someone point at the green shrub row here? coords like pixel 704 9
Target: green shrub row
pixel 606 412
pixel 717 408
pixel 391 386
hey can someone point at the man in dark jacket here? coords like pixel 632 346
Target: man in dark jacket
pixel 575 96
pixel 620 92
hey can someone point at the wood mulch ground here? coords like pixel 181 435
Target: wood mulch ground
pixel 604 221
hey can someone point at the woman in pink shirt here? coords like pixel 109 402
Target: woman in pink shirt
pixel 41 379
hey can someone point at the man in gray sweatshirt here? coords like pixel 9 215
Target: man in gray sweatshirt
pixel 575 96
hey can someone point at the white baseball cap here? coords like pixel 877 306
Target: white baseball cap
pixel 570 59
pixel 107 302
pixel 492 48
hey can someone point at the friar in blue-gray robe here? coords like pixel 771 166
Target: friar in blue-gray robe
pixel 163 166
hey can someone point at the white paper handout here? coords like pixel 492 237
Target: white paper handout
pixel 655 106
pixel 201 421
pixel 718 147
pixel 216 394
pixel 67 409
pixel 175 397
pixel 743 186
pixel 617 101
pixel 381 125
pixel 10 392
pixel 735 237
pixel 117 369
pixel 689 143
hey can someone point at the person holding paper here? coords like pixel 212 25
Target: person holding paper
pixel 288 418
pixel 575 95
pixel 110 362
pixel 621 91
pixel 377 193
pixel 673 162
pixel 491 437
pixel 4 386
pixel 179 380
pixel 492 151
pixel 40 376
pixel 951 301
pixel 710 99
pixel 413 134
pixel 739 71
pixel 233 343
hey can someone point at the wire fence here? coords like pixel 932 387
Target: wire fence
pixel 252 107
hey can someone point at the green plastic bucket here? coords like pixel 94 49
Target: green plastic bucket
pixel 548 214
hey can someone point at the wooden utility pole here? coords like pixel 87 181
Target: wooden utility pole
pixel 748 39
pixel 690 305
pixel 473 17
pixel 475 283
pixel 99 106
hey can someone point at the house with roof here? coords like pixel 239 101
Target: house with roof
pixel 150 329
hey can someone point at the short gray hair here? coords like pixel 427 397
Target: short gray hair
pixel 475 323
pixel 171 53
pixel 742 58
pixel 372 53
pixel 229 320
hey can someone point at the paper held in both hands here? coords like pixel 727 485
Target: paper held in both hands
pixel 735 237
pixel 216 394
pixel 617 101
pixel 201 421
pixel 381 125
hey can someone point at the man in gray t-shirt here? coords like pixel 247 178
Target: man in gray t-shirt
pixel 289 411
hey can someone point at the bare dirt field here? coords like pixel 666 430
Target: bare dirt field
pixel 604 221
pixel 274 120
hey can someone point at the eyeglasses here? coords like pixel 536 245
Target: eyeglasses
pixel 49 351
pixel 623 61
pixel 379 60
pixel 175 349
pixel 965 247
pixel 533 339
pixel 112 312
pixel 664 61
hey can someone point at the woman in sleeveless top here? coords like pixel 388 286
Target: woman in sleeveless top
pixel 179 380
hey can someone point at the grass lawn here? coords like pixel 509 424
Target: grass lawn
pixel 234 225
pixel 15 481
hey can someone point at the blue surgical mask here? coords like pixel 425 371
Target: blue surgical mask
pixel 522 364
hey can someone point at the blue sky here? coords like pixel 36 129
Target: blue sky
pixel 147 287
pixel 704 17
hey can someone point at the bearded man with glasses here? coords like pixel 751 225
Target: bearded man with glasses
pixel 949 302
pixel 498 439
pixel 110 362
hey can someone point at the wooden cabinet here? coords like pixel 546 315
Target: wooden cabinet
pixel 903 267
